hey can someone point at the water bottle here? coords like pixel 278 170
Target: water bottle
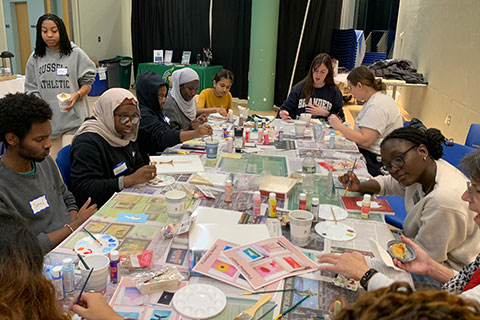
pixel 309 168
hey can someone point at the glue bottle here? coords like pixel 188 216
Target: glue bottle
pixel 314 208
pixel 57 277
pixel 257 203
pixel 365 206
pixel 114 260
pixel 230 115
pixel 272 201
pixel 302 201
pixel 228 187
pixel 68 275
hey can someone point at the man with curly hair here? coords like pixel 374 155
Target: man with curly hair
pixel 30 182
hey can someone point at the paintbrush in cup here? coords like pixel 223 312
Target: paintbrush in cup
pixel 333 214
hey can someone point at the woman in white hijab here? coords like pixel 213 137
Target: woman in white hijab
pixel 104 155
pixel 180 109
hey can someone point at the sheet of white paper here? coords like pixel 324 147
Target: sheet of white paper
pixel 202 236
pixel 382 254
pixel 178 164
pixel 204 215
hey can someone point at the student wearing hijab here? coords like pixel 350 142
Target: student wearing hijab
pixel 155 135
pixel 104 155
pixel 180 109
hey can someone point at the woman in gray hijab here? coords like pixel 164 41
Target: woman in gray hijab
pixel 180 109
pixel 104 155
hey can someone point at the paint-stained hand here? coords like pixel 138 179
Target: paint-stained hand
pixel 92 306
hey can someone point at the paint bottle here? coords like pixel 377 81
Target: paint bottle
pixel 225 131
pixel 57 278
pixel 280 134
pixel 230 147
pixel 228 187
pixel 264 124
pixel 314 209
pixel 365 206
pixel 114 260
pixel 272 201
pixel 266 139
pixel 247 134
pixel 68 275
pixel 331 141
pixel 241 120
pixel 257 203
pixel 302 201
pixel 260 136
pixel 230 115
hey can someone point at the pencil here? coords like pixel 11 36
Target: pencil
pixel 91 235
pixel 333 214
pixel 268 311
pixel 84 285
pixel 83 262
pixel 270 291
pixel 291 308
pixel 348 184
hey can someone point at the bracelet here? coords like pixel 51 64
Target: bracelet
pixel 79 94
pixel 366 278
pixel 69 227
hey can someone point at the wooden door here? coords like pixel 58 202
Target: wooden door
pixel 23 28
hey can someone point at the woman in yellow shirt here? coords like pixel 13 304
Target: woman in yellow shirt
pixel 218 97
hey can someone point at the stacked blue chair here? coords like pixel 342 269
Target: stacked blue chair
pixel 344 47
pixel 371 57
pixel 398 205
pixel 63 163
pixel 455 153
pixel 473 137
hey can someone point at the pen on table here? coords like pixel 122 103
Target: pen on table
pixel 291 308
pixel 84 285
pixel 93 237
pixel 268 311
pixel 349 181
pixel 83 261
pixel 333 214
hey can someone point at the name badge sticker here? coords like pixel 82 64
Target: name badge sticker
pixel 62 71
pixel 39 204
pixel 167 119
pixel 119 168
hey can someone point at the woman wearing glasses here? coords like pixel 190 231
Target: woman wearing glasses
pixel 466 282
pixel 104 155
pixel 437 219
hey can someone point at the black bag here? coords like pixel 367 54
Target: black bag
pixel 374 162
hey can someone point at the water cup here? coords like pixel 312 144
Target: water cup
pixel 319 132
pixel 62 97
pixel 211 147
pixel 306 117
pixel 300 128
pixel 99 279
pixel 175 203
pixel 300 225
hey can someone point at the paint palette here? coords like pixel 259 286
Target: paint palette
pixel 87 246
pixel 325 212
pixel 410 254
pixel 335 232
pixel 199 301
pixel 161 181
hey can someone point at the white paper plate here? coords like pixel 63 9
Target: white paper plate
pixel 325 213
pixel 161 181
pixel 87 246
pixel 199 301
pixel 335 232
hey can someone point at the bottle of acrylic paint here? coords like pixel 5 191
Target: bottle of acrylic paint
pixel 57 277
pixel 266 138
pixel 257 203
pixel 280 134
pixel 230 115
pixel 272 201
pixel 68 275
pixel 228 187
pixel 114 260
pixel 331 141
pixel 260 136
pixel 365 206
pixel 230 147
pixel 314 209
pixel 302 201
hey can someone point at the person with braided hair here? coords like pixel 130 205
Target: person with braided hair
pixel 379 116
pixel 437 218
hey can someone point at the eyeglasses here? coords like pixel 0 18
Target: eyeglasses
pixel 397 162
pixel 125 119
pixel 472 191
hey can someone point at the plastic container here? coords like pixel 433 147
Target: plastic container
pixel 57 277
pixel 113 72
pixel 257 203
pixel 125 71
pixel 99 86
pixel 114 261
pixel 68 275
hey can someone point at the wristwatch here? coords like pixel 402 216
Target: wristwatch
pixel 366 278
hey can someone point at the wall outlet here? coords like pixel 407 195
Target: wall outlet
pixel 448 119
pixel 99 39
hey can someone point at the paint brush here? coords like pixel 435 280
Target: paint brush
pixel 83 261
pixel 349 181
pixel 268 311
pixel 250 312
pixel 291 308
pixel 270 291
pixel 84 285
pixel 93 237
pixel 333 214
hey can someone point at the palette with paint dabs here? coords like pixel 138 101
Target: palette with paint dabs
pixel 335 231
pixel 87 246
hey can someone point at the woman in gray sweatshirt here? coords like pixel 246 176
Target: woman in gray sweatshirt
pixel 59 66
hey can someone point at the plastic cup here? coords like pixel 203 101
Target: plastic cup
pixel 300 128
pixel 211 148
pixel 99 279
pixel 300 225
pixel 175 203
pixel 306 117
pixel 62 97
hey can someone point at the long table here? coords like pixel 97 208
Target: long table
pixel 177 252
